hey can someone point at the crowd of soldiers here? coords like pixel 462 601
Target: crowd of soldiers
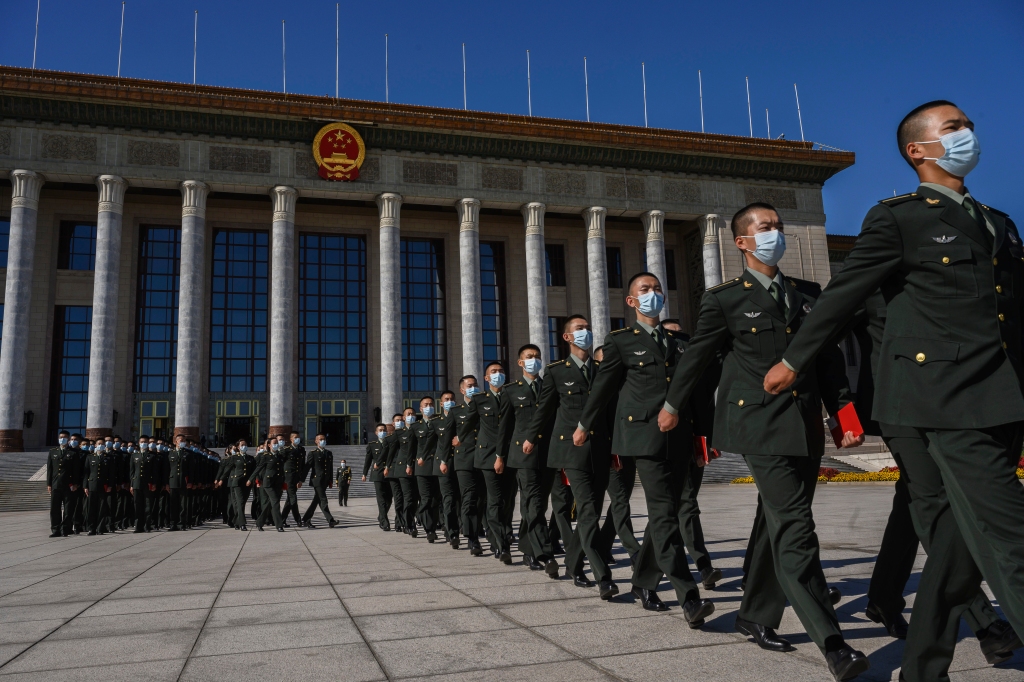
pixel 932 291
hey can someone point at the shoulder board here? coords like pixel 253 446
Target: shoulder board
pixel 994 210
pixel 723 285
pixel 619 331
pixel 894 201
pixel 556 362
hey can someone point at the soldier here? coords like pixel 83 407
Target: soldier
pixel 144 480
pixel 343 478
pixel 520 401
pixel 461 450
pixel 294 473
pixel 423 469
pixel 176 473
pixel 62 478
pixel 97 481
pixel 403 458
pixel 256 508
pixel 391 445
pixel 444 469
pixel 499 480
pixel 373 466
pixel 269 475
pixel 125 504
pixel 240 467
pixel 162 498
pixel 81 449
pixel 320 463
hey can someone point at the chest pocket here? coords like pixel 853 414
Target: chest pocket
pixel 758 333
pixel 948 270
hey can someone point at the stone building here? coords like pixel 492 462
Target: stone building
pixel 175 263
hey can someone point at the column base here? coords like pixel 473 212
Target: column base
pixel 280 430
pixel 11 440
pixel 93 434
pixel 190 432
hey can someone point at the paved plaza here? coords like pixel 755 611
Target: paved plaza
pixel 355 603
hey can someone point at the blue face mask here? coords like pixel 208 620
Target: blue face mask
pixel 243 448
pixel 73 443
pixel 963 151
pixel 473 390
pixel 410 419
pixel 531 366
pixel 448 404
pixel 583 338
pixel 295 442
pixel 497 380
pixel 771 246
pixel 274 447
pixel 651 303
pixel 62 441
pixel 382 435
pixel 428 411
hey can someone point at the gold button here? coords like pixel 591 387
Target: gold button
pixel 570 392
pixel 753 329
pixel 1002 318
pixel 919 357
pixel 788 330
pixel 666 364
pixel 795 394
pixel 1004 344
pixel 630 417
pixel 668 378
pixel 995 261
pixel 999 288
pixel 740 402
pixel 945 259
pixel 591 433
pixel 561 438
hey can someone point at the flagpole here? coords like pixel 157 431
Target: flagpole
pixel 386 94
pixel 700 85
pixel 120 42
pixel 195 44
pixel 643 71
pixel 35 43
pixel 464 106
pixel 750 119
pixel 529 94
pixel 799 115
pixel 284 63
pixel 337 33
pixel 586 85
pixel 768 123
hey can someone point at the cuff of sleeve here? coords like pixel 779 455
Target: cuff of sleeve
pixel 790 367
pixel 668 408
pixel 579 425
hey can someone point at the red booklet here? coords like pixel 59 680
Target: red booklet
pixel 565 479
pixel 702 453
pixel 843 421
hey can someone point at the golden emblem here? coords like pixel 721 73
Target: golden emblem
pixel 339 152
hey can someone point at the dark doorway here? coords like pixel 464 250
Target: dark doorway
pixel 237 428
pixel 336 429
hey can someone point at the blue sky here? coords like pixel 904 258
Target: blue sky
pixel 859 66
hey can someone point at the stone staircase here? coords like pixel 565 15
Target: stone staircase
pixel 23 481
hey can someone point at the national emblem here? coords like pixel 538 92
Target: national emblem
pixel 339 152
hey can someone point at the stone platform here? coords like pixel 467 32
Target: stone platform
pixel 355 603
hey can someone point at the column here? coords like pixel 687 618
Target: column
pixel 389 206
pixel 282 311
pixel 17 302
pixel 597 273
pixel 191 310
pixel 710 227
pixel 654 228
pixel 99 419
pixel 536 277
pixel 469 281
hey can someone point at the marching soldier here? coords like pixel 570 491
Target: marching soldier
pixel 462 451
pixel 269 475
pixel 403 459
pixel 294 456
pixel 499 480
pixel 320 462
pixel 97 481
pixel 391 445
pixel 144 478
pixel 373 466
pixel 423 469
pixel 240 468
pixel 62 478
pixel 176 474
pixel 444 469
pixel 343 478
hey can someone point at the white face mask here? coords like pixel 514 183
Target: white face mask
pixel 321 443
pixel 243 448
pixel 962 152
pixel 410 419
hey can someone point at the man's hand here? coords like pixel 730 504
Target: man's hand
pixel 851 441
pixel 616 463
pixel 248 483
pixel 408 471
pixel 579 437
pixel 667 421
pixel 444 468
pixel 385 471
pixel 364 477
pixel 132 491
pixel 419 461
pixel 778 379
pixel 455 441
pixel 527 447
pixel 298 485
pixel 167 488
pixel 49 490
pixel 374 465
pixel 87 492
pixel 499 465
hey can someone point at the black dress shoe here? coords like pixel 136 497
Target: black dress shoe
pixel 608 589
pixel 551 568
pixel 431 537
pixel 532 563
pixel 280 530
pixel 834 595
pixel 92 532
pixel 696 610
pixel 648 599
pixel 259 528
pixel 414 532
pixel 56 534
pixel 580 580
pixel 244 528
pixel 999 642
pixel 895 624
pixel 505 558
pixel 332 523
pixel 710 577
pixel 476 550
pixel 846 663
pixel 764 637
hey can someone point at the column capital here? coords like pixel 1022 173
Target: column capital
pixel 193 198
pixel 112 188
pixel 654 225
pixel 710 225
pixel 469 214
pixel 389 205
pixel 284 202
pixel 26 185
pixel 594 219
pixel 533 217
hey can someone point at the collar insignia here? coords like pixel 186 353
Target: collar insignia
pixel 807 307
pixel 1011 237
pixel 932 201
pixel 746 284
pixel 752 314
pixel 570 383
pixel 944 239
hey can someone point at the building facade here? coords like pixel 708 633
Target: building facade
pixel 175 264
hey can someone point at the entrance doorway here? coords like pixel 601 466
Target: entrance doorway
pixel 237 428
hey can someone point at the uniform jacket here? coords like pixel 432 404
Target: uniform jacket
pixel 392 443
pixel 63 468
pixel 465 427
pixel 176 470
pixel 426 444
pixel 239 469
pixel 269 470
pixel 294 457
pixel 343 476
pixel 741 322
pixel 444 429
pixel 320 463
pixel 484 414
pixel 515 425
pixel 146 469
pixel 375 454
pixel 99 471
pixel 405 451
pixel 563 396
pixel 951 353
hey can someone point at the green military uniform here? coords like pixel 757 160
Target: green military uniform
pixel 405 457
pixel 176 471
pixel 239 468
pixel 269 473
pixel 98 480
pixel 373 468
pixel 534 476
pixel 471 482
pixel 484 414
pixel 949 372
pixel 320 463
pixel 423 474
pixel 145 484
pixel 392 443
pixel 447 481
pixel 343 479
pixel 123 517
pixel 294 473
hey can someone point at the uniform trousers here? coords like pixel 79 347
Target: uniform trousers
pixel 256 508
pixel 62 509
pixel 399 500
pixel 429 493
pixel 98 510
pixel 448 486
pixel 270 506
pixel 962 498
pixel 588 489
pixel 382 491
pixel 178 515
pixel 319 499
pixel 239 494
pixel 786 561
pixel 343 494
pixel 499 526
pixel 689 518
pixel 410 499
pixel 562 503
pixel 291 503
pixel 534 491
pixel 618 521
pixel 470 484
pixel 79 509
pixel 145 502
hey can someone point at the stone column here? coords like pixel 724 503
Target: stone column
pixel 17 302
pixel 710 226
pixel 99 419
pixel 597 273
pixel 389 206
pixel 282 311
pixel 469 285
pixel 536 277
pixel 654 227
pixel 191 310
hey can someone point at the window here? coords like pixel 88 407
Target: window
pixel 492 299
pixel 69 390
pixel 339 420
pixel 558 348
pixel 154 420
pixel 238 334
pixel 156 333
pixel 670 265
pixel 617 323
pixel 423 352
pixel 554 256
pixel 76 248
pixel 5 238
pixel 332 313
pixel 614 258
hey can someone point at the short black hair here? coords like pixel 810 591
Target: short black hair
pixel 427 397
pixel 463 379
pixel 568 321
pixel 318 435
pixel 380 425
pixel 447 392
pixel 526 347
pixel 911 127
pixel 398 414
pixel 493 363
pixel 637 276
pixel 742 217
pixel 75 435
pixel 63 433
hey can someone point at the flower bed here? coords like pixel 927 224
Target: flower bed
pixel 830 475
